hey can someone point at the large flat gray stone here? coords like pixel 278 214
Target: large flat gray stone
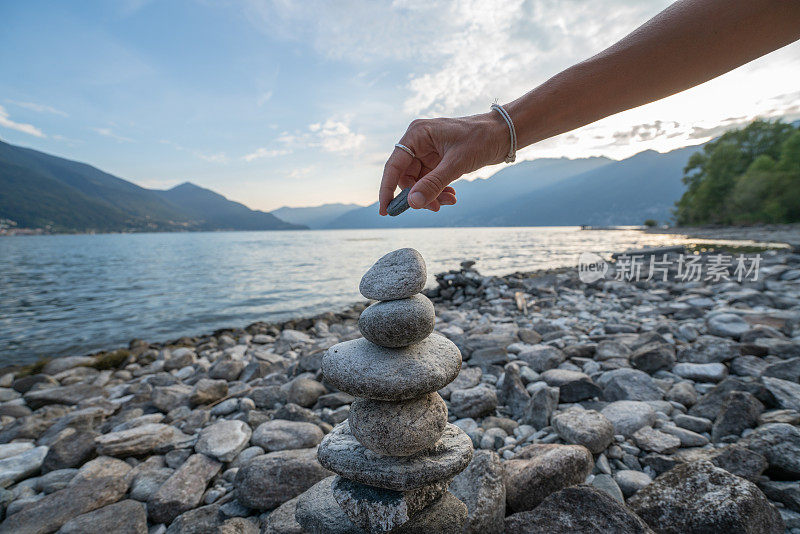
pixel 343 454
pixel 364 369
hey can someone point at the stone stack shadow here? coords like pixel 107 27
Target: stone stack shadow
pixel 396 454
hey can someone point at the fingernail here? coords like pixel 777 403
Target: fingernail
pixel 417 200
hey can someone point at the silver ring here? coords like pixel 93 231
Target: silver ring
pixel 404 148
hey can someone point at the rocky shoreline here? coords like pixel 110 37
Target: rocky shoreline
pixel 616 406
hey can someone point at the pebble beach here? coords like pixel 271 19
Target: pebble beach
pixel 619 405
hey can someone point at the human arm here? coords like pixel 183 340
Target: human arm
pixel 690 42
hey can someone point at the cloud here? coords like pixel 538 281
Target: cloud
pixel 39 108
pixel 300 172
pixel 108 132
pixel 336 136
pixel 264 152
pixel 29 129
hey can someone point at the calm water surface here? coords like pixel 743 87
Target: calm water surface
pixel 71 294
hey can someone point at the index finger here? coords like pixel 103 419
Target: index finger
pixel 395 167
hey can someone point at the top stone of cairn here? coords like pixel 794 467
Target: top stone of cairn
pixel 398 275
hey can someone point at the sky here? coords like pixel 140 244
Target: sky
pixel 275 103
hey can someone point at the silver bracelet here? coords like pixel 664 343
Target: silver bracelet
pixel 512 152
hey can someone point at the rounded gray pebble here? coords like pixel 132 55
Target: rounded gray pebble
pixel 341 453
pixel 364 369
pixel 399 428
pixel 398 275
pixel 398 323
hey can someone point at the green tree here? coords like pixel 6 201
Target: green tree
pixel 746 176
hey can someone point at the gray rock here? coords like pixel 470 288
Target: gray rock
pixel 206 391
pixel 739 412
pixel 7 450
pixel 279 435
pixel 224 440
pixel 183 490
pixel 512 392
pixel 398 428
pixel 541 469
pixel 447 515
pixel 303 391
pixel 573 386
pixel 68 395
pixel 21 466
pixel 274 478
pixel 711 403
pixel 167 398
pixel 382 510
pixel 701 372
pixel 102 467
pixel 779 443
pixel 687 437
pixel 282 520
pixel 629 416
pixel 482 488
pixel 708 349
pixel 147 483
pixel 695 424
pixel 683 393
pixel 227 369
pixel 786 393
pixel 540 358
pixel 607 484
pixel 629 384
pixel 699 497
pixel 653 357
pixel 124 517
pixel 579 510
pixel 58 365
pixel 609 349
pixel 363 369
pixel 398 323
pixel 55 480
pixel 49 513
pixel 473 402
pixel 631 481
pixel 748 365
pixel 343 454
pixel 397 275
pixel 585 427
pixel 650 439
pixel 740 461
pixel 727 325
pixel 782 491
pixel 467 378
pixel 200 520
pixel 317 512
pixel 785 370
pixel 72 449
pixel 137 441
pixel 544 401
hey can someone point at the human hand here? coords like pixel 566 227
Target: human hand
pixel 445 150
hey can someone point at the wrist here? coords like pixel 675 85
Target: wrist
pixel 495 135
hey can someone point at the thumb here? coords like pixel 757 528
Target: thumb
pixel 429 186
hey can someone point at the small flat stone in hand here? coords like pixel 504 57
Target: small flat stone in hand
pixel 399 204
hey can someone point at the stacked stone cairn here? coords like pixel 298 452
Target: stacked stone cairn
pixel 396 454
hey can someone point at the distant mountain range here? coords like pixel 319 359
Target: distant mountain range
pixel 42 191
pixel 553 192
pixel 38 190
pixel 314 217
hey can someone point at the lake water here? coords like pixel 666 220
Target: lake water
pixel 71 294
